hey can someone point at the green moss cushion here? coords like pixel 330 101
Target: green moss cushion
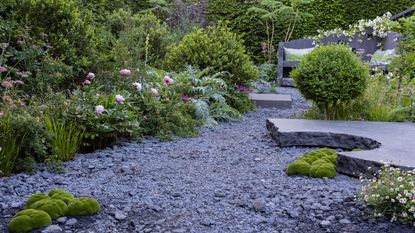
pixel 296 54
pixel 34 198
pixel 382 57
pixel 299 167
pixel 83 206
pixel 318 163
pixel 54 207
pixel 61 195
pixel 28 220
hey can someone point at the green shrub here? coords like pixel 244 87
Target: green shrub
pixel 35 198
pixel 54 207
pixel 61 195
pixel 215 47
pixel 331 75
pixel 83 206
pixel 28 220
pixel 318 163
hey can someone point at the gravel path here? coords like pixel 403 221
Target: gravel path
pixel 229 179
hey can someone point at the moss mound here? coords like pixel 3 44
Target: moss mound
pixel 299 167
pixel 54 207
pixel 83 206
pixel 61 195
pixel 28 220
pixel 318 163
pixel 34 198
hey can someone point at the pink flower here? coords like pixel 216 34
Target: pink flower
pixel 125 72
pixel 1 114
pixel 90 76
pixel 138 86
pixel 119 99
pixel 167 80
pixel 7 98
pixel 154 91
pixel 99 109
pixel 87 82
pixel 185 98
pixel 243 88
pixel 7 84
pixel 3 69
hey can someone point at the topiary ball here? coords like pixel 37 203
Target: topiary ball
pixel 28 220
pixel 61 195
pixel 54 207
pixel 298 167
pixel 34 198
pixel 83 206
pixel 321 168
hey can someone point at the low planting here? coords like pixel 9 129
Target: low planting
pixel 390 193
pixel 41 209
pixel 318 163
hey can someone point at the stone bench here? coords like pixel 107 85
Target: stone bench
pixel 271 100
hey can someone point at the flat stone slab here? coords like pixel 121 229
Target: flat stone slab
pixel 271 100
pixel 379 141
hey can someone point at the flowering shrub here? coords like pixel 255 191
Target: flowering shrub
pixel 391 193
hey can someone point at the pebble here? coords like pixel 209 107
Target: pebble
pixel 52 229
pixel 71 222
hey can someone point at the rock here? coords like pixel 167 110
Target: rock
pixel 119 215
pixel 52 229
pixel 219 193
pixel 62 220
pixel 331 218
pixel 325 223
pixel 16 204
pixel 259 205
pixel 345 221
pixel 71 222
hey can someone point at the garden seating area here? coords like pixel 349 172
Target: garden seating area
pixel 207 116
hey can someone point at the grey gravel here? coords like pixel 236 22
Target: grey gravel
pixel 229 179
pixel 52 229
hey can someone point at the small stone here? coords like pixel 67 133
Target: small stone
pixel 345 221
pixel 331 218
pixel 219 193
pixel 91 167
pixel 16 205
pixel 62 220
pixel 52 229
pixel 71 222
pixel 325 223
pixel 120 215
pixel 259 205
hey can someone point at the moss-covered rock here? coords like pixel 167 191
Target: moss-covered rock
pixel 54 207
pixel 298 167
pixel 61 195
pixel 28 220
pixel 34 198
pixel 321 169
pixel 83 206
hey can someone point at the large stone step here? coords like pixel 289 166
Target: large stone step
pixel 271 100
pixel 379 141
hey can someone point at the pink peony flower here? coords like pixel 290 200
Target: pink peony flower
pixel 7 84
pixel 3 69
pixel 138 86
pixel 119 99
pixel 99 109
pixel 185 98
pixel 125 72
pixel 90 76
pixel 87 82
pixel 154 91
pixel 167 80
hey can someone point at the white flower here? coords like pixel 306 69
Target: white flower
pixel 99 109
pixel 119 99
pixel 402 200
pixel 138 86
pixel 154 91
pixel 400 178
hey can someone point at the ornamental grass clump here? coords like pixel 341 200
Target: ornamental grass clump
pixel 391 193
pixel 318 163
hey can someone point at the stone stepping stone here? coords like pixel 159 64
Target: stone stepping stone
pixel 271 100
pixel 379 141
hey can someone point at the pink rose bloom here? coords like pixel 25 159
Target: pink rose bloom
pixel 167 80
pixel 99 109
pixel 3 69
pixel 90 76
pixel 119 99
pixel 125 72
pixel 87 82
pixel 154 91
pixel 7 84
pixel 138 86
